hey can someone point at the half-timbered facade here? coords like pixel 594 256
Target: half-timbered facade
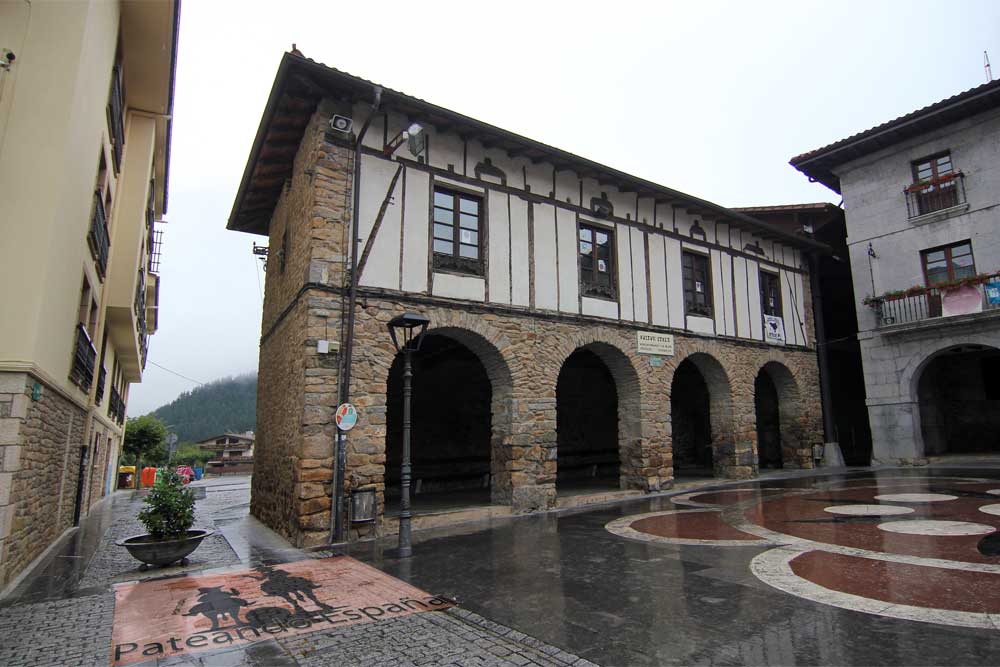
pixel 590 331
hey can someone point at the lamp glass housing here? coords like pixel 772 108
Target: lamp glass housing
pixel 407 331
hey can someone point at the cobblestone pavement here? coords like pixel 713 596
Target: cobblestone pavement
pixel 65 615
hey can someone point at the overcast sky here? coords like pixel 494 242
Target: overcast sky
pixel 708 98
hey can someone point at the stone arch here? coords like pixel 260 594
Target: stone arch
pixel 728 460
pixel 629 399
pixel 790 412
pixel 932 416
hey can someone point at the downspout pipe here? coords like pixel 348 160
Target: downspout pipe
pixel 337 509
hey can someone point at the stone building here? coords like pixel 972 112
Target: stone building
pixel 85 103
pixel 591 332
pixel 921 194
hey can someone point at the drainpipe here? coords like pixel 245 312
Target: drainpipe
pixel 823 350
pixel 337 500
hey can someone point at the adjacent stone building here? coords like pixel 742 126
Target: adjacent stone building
pixel 922 195
pixel 85 102
pixel 590 332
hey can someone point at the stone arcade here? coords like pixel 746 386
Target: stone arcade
pixel 539 270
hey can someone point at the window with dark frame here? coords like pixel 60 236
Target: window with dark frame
pixel 948 263
pixel 458 231
pixel 697 284
pixel 596 268
pixel 934 186
pixel 770 294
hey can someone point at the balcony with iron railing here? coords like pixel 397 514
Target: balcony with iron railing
pixel 84 359
pixel 927 305
pixel 98 238
pixel 935 195
pixel 116 116
pixel 101 380
pixel 116 406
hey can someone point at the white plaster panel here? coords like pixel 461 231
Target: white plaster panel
pixel 718 292
pixel 474 156
pixel 415 232
pixel 499 247
pixel 675 285
pixel 788 305
pixel 726 271
pixel 459 287
pixel 546 291
pixel 567 187
pixel 373 137
pixel 703 325
pixel 658 280
pixel 709 227
pixel 624 202
pixel 624 272
pixel 639 295
pixel 591 188
pixel 382 267
pixel 569 281
pixel 540 178
pixel 646 211
pixel 800 295
pixel 742 307
pixel 753 300
pixel 520 258
pixel 600 308
pixel 444 149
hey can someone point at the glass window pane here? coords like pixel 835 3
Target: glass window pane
pixel 962 260
pixel 935 256
pixel 944 164
pixel 470 251
pixel 937 275
pixel 468 206
pixel 445 247
pixel 586 263
pixel 446 232
pixel 963 249
pixel 469 237
pixel 468 221
pixel 586 234
pixel 441 215
pixel 965 271
pixel 444 200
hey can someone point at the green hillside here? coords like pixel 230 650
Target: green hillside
pixel 226 405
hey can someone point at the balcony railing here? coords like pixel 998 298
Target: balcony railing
pixel 933 302
pixel 101 379
pixel 140 302
pixel 84 360
pixel 935 195
pixel 116 116
pixel 116 407
pixel 98 239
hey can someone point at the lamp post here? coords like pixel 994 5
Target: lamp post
pixel 403 329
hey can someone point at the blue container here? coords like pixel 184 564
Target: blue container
pixel 197 473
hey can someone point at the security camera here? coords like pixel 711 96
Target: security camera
pixel 341 124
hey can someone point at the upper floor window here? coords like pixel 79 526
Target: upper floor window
pixel 936 185
pixel 948 263
pixel 116 116
pixel 596 274
pixel 458 231
pixel 697 284
pixel 770 293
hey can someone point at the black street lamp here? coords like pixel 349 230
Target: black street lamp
pixel 405 336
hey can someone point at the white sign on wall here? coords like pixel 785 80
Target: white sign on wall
pixel 774 330
pixel 655 343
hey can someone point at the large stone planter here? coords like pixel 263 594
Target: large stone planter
pixel 166 552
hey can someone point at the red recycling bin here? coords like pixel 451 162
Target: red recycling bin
pixel 148 476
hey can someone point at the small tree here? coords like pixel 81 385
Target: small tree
pixel 145 438
pixel 169 511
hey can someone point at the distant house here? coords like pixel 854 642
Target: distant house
pixel 233 452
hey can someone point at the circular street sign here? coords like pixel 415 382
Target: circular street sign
pixel 347 417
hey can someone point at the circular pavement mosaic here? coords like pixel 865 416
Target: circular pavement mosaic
pixel 918 548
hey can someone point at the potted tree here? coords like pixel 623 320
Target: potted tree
pixel 168 516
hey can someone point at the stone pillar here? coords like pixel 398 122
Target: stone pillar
pixel 895 432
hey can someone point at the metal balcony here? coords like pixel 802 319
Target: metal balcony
pixel 933 302
pixel 935 195
pixel 98 238
pixel 84 359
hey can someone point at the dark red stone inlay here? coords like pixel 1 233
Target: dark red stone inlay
pixel 691 526
pixel 901 583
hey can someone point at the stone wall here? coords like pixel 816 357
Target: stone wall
pixel 41 443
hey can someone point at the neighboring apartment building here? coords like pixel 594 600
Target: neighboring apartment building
pixel 232 453
pixel 86 93
pixel 590 331
pixel 922 195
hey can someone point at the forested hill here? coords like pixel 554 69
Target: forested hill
pixel 226 405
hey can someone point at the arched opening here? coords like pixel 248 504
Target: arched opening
pixel 768 414
pixel 587 425
pixel 453 434
pixel 959 394
pixel 701 419
pixel 777 411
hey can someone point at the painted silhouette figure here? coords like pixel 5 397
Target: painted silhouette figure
pixel 292 589
pixel 215 604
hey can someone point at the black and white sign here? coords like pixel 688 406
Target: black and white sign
pixel 774 330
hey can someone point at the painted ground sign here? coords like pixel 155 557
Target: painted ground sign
pixel 173 616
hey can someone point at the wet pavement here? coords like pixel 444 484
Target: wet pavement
pixel 892 567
